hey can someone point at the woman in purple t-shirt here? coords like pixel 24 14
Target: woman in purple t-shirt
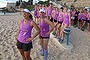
pixel 84 19
pixel 72 13
pixel 49 10
pixel 24 38
pixel 45 31
pixel 66 23
pixel 80 19
pixel 60 20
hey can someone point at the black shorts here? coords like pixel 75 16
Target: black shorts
pixel 43 37
pixel 84 20
pixel 88 21
pixel 38 16
pixel 55 20
pixel 51 19
pixel 79 20
pixel 60 22
pixel 25 47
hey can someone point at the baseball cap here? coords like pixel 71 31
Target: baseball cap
pixel 26 10
pixel 42 10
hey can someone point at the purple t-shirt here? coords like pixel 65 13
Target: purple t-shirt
pixel 60 17
pixel 49 11
pixel 66 19
pixel 84 15
pixel 25 32
pixel 80 16
pixel 44 28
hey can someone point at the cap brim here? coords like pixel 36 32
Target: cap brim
pixel 26 12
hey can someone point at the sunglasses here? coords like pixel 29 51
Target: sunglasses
pixel 42 12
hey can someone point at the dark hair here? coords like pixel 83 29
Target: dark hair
pixel 85 9
pixel 61 8
pixel 50 4
pixel 47 5
pixel 31 17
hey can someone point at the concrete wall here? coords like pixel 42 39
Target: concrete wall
pixel 11 6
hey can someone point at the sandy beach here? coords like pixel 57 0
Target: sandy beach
pixel 8 50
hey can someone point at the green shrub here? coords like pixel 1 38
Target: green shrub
pixel 41 2
pixel 31 7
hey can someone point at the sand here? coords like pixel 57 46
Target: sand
pixel 8 50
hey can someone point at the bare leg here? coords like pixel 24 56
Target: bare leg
pixel 45 44
pixel 22 53
pixel 55 28
pixel 27 55
pixel 78 24
pixel 59 26
pixel 62 31
pixel 65 26
pixel 41 41
pixel 83 24
pixel 88 27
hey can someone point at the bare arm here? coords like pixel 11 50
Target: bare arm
pixel 18 32
pixel 37 29
pixel 69 19
pixel 33 24
pixel 87 15
pixel 18 29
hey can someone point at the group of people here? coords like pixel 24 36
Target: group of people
pixel 81 19
pixel 60 18
pixel 48 18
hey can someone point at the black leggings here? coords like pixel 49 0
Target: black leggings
pixel 75 20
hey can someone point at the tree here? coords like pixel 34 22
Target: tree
pixel 17 3
pixel 48 1
pixel 75 0
pixel 30 1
